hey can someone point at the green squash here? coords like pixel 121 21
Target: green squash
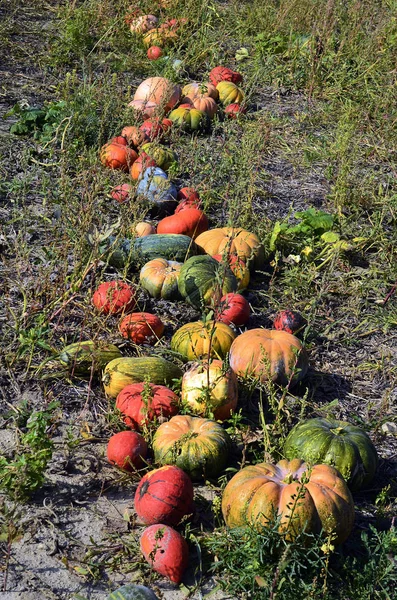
pixel 171 246
pixel 203 280
pixel 189 119
pixel 337 443
pixel 132 592
pixel 81 358
pixel 198 446
pixel 164 157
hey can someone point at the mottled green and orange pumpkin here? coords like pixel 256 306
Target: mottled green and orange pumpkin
pixel 305 499
pixel 229 93
pixel 198 446
pixel 267 355
pixel 159 277
pixel 338 443
pixel 201 339
pixel 189 118
pixel 203 280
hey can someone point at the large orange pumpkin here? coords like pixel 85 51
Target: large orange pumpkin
pixel 159 90
pixel 269 355
pixel 306 499
pixel 196 90
pixel 202 340
pixel 117 156
pixel 233 240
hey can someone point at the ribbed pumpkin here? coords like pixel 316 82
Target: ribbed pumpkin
pixel 159 277
pixel 141 403
pixel 210 389
pixel 233 240
pixel 198 446
pixel 114 297
pixel 134 136
pixel 229 93
pixel 338 443
pixel 164 157
pixel 117 156
pixel 205 105
pixel 189 118
pixel 165 550
pixel 269 355
pixel 87 356
pixel 218 74
pixel 141 328
pixel 171 246
pixel 143 228
pixel 121 372
pixel 203 280
pixel 155 187
pixel 196 90
pixel 164 495
pixel 202 340
pixel 191 222
pixel 132 592
pixel 307 499
pixel 159 90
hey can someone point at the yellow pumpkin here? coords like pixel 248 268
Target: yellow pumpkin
pixel 229 93
pixel 202 340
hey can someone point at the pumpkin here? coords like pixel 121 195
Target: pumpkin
pixel 117 156
pixel 165 157
pixel 187 193
pixel 159 90
pixel 210 388
pixel 143 24
pixel 122 193
pixel 165 550
pixel 198 446
pixel 195 90
pixel 127 450
pixel 141 403
pixel 142 163
pixel 155 187
pixel 234 110
pixel 233 240
pixel 162 36
pixel 119 139
pixel 237 266
pixel 134 136
pixel 121 372
pixel 86 357
pixel 338 443
pixel 132 592
pixel 233 309
pixel 154 53
pixel 229 93
pixel 143 228
pixel 171 246
pixel 290 321
pixel 206 105
pixel 164 495
pixel 144 108
pixel 190 222
pixel 218 74
pixel 159 277
pixel 141 328
pixel 306 499
pixel 203 280
pixel 267 354
pixel 203 340
pixel 114 297
pixel 189 118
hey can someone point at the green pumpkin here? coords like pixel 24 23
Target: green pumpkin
pixel 203 280
pixel 171 246
pixel 81 358
pixel 159 277
pixel 189 119
pixel 164 157
pixel 132 592
pixel 337 443
pixel 198 446
pixel 199 340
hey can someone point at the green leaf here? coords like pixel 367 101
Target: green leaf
pixel 330 237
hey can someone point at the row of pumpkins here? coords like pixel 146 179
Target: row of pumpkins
pixel 206 268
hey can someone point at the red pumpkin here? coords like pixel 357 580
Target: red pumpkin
pixel 121 193
pixel 141 403
pixel 164 495
pixel 187 193
pixel 141 328
pixel 114 297
pixel 143 162
pixel 235 109
pixel 219 74
pixel 127 450
pixel 154 52
pixel 155 128
pixel 165 550
pixel 233 308
pixel 119 139
pixel 190 222
pixel 290 321
pixel 117 156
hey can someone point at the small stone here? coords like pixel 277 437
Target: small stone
pixel 389 427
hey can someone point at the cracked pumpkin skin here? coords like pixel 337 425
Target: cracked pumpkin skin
pixel 307 499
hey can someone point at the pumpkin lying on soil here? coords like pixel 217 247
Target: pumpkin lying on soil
pixel 201 339
pixel 233 309
pixel 87 356
pixel 141 328
pixel 132 592
pixel 233 240
pixel 203 280
pixel 306 499
pixel 290 321
pixel 114 297
pixel 127 450
pixel 159 90
pixel 190 222
pixel 142 403
pixel 165 550
pixel 159 277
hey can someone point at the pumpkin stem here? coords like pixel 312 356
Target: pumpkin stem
pixel 289 478
pixel 337 430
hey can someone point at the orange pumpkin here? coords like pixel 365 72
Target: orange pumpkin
pixel 143 162
pixel 306 499
pixel 144 108
pixel 200 90
pixel 117 156
pixel 210 389
pixel 134 136
pixel 207 105
pixel 159 90
pixel 237 266
pixel 141 328
pixel 233 240
pixel 190 222
pixel 159 277
pixel 143 228
pixel 218 74
pixel 269 355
